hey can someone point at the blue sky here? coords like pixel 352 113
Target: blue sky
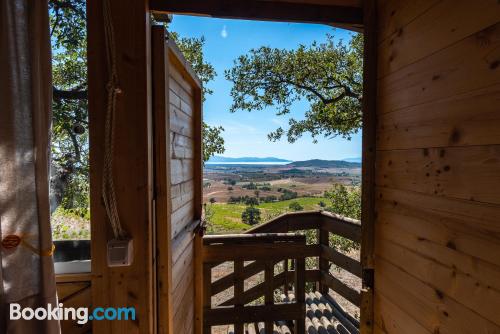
pixel 246 132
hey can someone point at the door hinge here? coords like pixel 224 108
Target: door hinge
pixel 368 278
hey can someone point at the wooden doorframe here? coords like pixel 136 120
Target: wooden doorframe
pixel 134 132
pixel 130 286
pixel 369 134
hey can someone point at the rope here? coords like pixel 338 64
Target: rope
pixel 108 188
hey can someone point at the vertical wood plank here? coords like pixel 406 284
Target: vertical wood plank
pixel 285 270
pixel 198 283
pixel 163 207
pixel 238 291
pixel 368 163
pixel 207 292
pixel 300 291
pixel 269 291
pixel 324 265
pixel 131 286
pixel 198 154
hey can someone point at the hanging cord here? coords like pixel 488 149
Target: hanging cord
pixel 108 188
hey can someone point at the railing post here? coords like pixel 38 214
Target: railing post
pixel 207 293
pixel 238 291
pixel 324 266
pixel 198 286
pixel 300 291
pixel 285 270
pixel 269 292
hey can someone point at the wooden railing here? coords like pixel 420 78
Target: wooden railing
pixel 265 251
pixel 271 245
pixel 323 225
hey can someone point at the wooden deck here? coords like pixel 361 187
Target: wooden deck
pixel 323 316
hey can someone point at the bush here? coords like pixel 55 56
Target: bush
pixel 322 204
pixel 252 201
pixel 295 206
pixel 345 202
pixel 230 188
pixel 250 186
pixel 234 199
pixel 212 200
pixel 270 198
pixel 251 216
pixel 288 194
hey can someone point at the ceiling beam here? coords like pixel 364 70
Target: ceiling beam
pixel 263 10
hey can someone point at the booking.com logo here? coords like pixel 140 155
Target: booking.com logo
pixel 81 314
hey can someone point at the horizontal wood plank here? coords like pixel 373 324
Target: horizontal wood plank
pixel 434 310
pixel 446 281
pixel 343 261
pixel 341 288
pixel 217 253
pixel 181 170
pixel 442 25
pixel 238 314
pixel 469 173
pixel 394 15
pixel 468 65
pixel 472 118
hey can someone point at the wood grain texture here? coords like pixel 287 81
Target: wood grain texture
pixel 470 64
pixel 163 188
pixel 469 173
pixel 437 239
pixel 467 119
pixel 440 25
pixel 132 286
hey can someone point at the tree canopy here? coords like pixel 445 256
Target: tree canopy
pixel 328 75
pixel 70 165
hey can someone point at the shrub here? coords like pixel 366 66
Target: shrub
pixel 251 216
pixel 295 206
pixel 252 201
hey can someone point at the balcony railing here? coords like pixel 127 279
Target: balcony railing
pixel 270 250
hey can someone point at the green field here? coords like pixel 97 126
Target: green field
pixel 226 218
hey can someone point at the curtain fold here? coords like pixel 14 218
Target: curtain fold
pixel 27 269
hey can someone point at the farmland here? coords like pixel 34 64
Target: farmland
pixel 227 189
pixel 226 218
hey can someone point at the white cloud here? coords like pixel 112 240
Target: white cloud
pixel 223 32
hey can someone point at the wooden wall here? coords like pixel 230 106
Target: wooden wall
pixel 437 247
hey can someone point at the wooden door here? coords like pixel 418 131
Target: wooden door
pixel 178 181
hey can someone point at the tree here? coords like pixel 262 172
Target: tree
pixel 295 206
pixel 344 201
pixel 252 201
pixel 70 168
pixel 251 216
pixel 328 75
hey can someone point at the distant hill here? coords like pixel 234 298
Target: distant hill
pixel 325 164
pixel 358 159
pixel 221 159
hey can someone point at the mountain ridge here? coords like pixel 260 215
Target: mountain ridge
pixel 222 159
pixel 318 163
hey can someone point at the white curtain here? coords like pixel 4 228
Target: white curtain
pixel 27 269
